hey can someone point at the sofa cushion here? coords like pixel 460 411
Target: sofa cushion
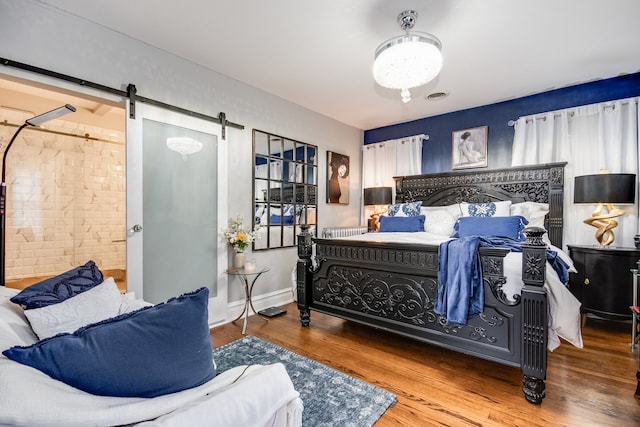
pixel 150 352
pixel 59 288
pixel 98 303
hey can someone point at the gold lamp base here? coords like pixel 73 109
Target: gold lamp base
pixel 374 218
pixel 604 223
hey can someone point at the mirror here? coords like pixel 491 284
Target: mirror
pixel 285 184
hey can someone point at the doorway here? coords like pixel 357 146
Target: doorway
pixel 76 194
pixel 66 184
pixel 175 206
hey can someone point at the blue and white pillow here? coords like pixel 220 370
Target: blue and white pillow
pixel 488 210
pixel 404 209
pixel 287 210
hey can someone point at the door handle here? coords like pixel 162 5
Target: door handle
pixel 135 229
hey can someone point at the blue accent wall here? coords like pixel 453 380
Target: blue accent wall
pixel 436 152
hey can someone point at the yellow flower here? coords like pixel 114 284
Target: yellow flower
pixel 237 236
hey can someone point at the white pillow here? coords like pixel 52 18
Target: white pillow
pixel 564 313
pixel 132 305
pixel 98 303
pixel 533 211
pixel 440 219
pixel 486 209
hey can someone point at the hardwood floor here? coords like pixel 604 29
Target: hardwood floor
pixel 592 386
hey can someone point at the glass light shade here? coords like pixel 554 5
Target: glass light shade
pixel 183 145
pixel 407 61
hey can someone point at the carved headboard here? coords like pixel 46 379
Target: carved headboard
pixel 538 183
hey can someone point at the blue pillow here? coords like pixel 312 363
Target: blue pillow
pixel 146 353
pixel 401 223
pixel 284 219
pixel 404 209
pixel 59 288
pixel 497 226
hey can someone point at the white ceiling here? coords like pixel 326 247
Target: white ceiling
pixel 318 54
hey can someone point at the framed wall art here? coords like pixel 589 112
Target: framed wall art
pixel 469 148
pixel 337 178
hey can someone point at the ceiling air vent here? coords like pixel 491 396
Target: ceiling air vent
pixel 435 96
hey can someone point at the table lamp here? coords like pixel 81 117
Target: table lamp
pixel 379 197
pixel 605 189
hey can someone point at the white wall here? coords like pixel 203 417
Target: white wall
pixel 44 37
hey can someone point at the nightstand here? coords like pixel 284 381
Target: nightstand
pixel 603 283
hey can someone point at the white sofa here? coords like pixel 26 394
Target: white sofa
pixel 257 395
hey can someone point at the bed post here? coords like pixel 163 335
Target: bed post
pixel 534 316
pixel 303 274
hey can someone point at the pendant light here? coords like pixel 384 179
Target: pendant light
pixel 409 60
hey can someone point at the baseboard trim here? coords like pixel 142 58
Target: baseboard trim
pixel 260 302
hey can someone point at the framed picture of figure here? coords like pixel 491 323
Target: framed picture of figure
pixel 337 178
pixel 469 148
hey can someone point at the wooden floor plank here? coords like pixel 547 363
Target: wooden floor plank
pixel 592 386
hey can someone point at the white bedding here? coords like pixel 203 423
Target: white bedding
pixel 243 396
pixel 564 308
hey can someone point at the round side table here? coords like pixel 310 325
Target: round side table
pixel 248 280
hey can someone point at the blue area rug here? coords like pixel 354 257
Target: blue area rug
pixel 331 398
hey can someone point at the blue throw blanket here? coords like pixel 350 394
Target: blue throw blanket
pixel 460 293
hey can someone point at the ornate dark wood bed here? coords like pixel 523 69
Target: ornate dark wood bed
pixel 392 286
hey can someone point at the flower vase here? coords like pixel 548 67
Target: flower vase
pixel 238 260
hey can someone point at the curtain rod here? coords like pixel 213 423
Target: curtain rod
pixel 86 136
pixel 425 137
pixel 571 114
pixel 129 93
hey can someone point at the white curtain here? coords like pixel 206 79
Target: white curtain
pixel 384 160
pixel 589 138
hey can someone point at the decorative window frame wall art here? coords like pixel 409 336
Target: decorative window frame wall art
pixel 469 148
pixel 337 178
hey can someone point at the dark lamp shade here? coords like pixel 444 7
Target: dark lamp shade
pixel 605 188
pixel 377 195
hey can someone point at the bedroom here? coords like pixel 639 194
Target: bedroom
pixel 264 112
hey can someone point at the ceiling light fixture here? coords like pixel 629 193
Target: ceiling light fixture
pixel 409 60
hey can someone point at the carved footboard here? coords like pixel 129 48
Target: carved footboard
pixel 393 287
